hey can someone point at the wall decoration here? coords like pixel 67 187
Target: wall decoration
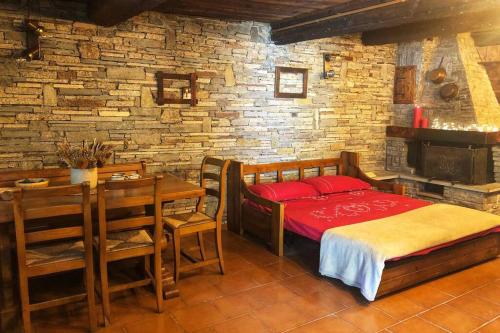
pixel 439 74
pixel 328 71
pixel 449 91
pixel 187 93
pixel 290 82
pixel 405 84
pixel 33 34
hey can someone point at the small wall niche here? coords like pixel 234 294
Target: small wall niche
pixel 176 88
pixel 430 190
pixel 290 82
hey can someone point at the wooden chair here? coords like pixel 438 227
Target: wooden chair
pixel 197 222
pixel 130 237
pixel 52 250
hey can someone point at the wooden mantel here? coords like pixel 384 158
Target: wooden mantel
pixel 430 134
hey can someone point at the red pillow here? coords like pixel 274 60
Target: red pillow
pixel 336 184
pixel 284 191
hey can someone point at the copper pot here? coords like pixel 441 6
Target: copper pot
pixel 439 74
pixel 449 91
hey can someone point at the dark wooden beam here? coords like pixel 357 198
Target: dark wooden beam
pixel 366 15
pixel 480 21
pixel 487 38
pixel 111 12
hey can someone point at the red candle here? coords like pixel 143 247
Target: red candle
pixel 417 116
pixel 424 122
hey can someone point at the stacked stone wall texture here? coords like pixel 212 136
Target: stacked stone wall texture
pixel 97 82
pixel 427 55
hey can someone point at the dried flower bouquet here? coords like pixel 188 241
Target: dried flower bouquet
pixel 84 156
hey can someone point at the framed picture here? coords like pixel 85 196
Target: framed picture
pixel 405 84
pixel 290 82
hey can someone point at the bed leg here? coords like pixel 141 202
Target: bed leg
pixel 277 229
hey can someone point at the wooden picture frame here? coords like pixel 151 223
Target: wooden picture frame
pixel 191 78
pixel 277 81
pixel 405 84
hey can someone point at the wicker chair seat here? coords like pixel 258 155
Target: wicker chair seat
pixel 58 252
pixel 125 240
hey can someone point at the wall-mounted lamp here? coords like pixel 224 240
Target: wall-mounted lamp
pixel 328 71
pixel 33 34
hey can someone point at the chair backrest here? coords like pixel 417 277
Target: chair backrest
pixel 56 201
pixel 220 177
pixel 112 195
pixel 61 175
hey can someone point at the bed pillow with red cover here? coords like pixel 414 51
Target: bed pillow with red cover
pixel 336 184
pixel 284 191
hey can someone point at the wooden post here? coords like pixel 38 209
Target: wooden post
pixel 234 196
pixel 349 160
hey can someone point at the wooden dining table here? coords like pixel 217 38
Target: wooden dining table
pixel 171 187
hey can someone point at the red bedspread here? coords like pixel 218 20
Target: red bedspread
pixel 310 217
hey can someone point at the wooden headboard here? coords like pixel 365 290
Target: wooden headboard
pixel 345 164
pixel 270 226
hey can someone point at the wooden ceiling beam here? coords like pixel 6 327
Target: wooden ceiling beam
pixel 365 15
pixel 111 12
pixel 255 10
pixel 472 22
pixel 487 38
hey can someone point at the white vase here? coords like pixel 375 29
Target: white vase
pixel 84 175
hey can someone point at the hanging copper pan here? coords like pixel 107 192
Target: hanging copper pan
pixel 449 91
pixel 439 74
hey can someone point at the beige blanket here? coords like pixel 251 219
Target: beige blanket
pixel 419 229
pixel 356 253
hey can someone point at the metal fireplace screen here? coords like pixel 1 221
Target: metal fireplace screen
pixel 464 165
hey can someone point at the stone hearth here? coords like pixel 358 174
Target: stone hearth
pixel 482 197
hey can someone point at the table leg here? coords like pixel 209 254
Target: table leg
pixel 169 287
pixel 9 310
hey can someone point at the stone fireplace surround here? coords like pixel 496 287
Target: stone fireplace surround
pixel 482 197
pixel 476 103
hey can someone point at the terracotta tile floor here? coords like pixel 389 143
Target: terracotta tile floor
pixel 263 293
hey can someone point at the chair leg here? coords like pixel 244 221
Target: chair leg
pixel 147 266
pixel 218 243
pixel 201 244
pixel 158 280
pixel 177 254
pixel 89 282
pixel 105 292
pixel 25 303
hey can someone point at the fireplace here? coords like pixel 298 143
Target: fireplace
pixel 457 164
pixel 463 157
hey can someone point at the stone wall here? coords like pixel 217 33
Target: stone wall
pixel 476 102
pixel 486 106
pixel 100 82
pixel 426 55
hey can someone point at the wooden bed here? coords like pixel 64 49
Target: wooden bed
pixel 268 226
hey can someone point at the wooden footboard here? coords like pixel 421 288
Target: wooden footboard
pixel 269 227
pixel 407 272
